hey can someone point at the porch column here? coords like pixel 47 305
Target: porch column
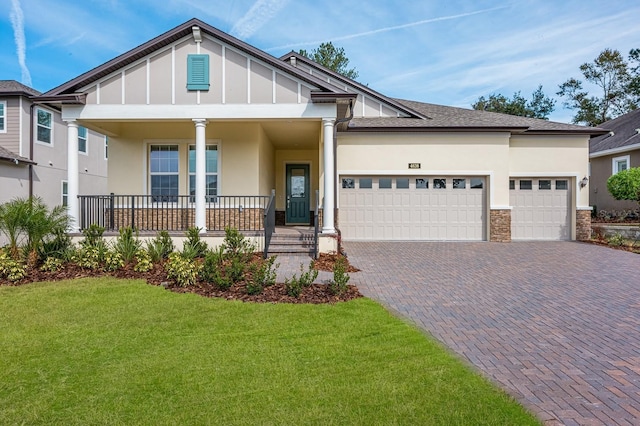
pixel 72 175
pixel 201 174
pixel 328 223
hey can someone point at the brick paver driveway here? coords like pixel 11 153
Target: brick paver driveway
pixel 555 324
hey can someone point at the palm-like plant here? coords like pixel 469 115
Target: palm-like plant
pixel 29 221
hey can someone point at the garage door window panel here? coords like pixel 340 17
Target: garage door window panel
pixel 477 183
pixel 544 184
pixel 459 183
pixel 422 183
pixel 348 183
pixel 365 183
pixel 439 183
pixel 402 183
pixel 525 185
pixel 562 185
pixel 384 183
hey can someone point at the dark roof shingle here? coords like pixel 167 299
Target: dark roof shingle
pixel 12 87
pixel 7 155
pixel 625 133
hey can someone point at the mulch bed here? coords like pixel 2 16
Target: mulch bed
pixel 314 294
pixel 325 262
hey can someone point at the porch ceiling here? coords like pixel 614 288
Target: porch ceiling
pixel 293 134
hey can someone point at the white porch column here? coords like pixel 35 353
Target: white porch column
pixel 72 175
pixel 201 174
pixel 328 223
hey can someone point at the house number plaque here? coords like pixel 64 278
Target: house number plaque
pixel 414 165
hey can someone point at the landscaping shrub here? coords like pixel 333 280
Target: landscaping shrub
pixel 194 247
pixel 29 221
pixel 262 274
pixel 237 246
pixel 340 276
pixel 127 244
pixel 182 270
pixel 213 269
pixel 295 285
pixel 160 247
pixel 90 257
pixel 52 264
pixel 616 240
pixel 113 260
pixel 143 261
pixel 10 268
pixel 59 247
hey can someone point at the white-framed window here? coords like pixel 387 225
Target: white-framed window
pixel 44 123
pixel 619 164
pixel 106 147
pixel 3 116
pixel 82 139
pixel 211 170
pixel 65 193
pixel 163 172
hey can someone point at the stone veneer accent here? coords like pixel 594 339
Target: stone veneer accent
pixel 500 226
pixel 583 225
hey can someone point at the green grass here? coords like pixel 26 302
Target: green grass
pixel 107 351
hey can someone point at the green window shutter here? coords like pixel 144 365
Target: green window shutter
pixel 197 72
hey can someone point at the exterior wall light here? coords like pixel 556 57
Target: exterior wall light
pixel 584 182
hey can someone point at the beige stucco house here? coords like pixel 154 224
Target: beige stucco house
pixel 202 127
pixel 33 150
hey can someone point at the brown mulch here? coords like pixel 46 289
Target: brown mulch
pixel 325 262
pixel 314 294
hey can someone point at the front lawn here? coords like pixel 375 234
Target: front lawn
pixel 110 351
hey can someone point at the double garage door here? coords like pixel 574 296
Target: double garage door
pixel 449 208
pixel 413 208
pixel 541 208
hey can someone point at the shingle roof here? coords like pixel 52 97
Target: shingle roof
pixel 625 133
pixel 12 87
pixel 7 155
pixel 445 117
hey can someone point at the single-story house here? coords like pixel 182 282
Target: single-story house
pixel 203 126
pixel 614 151
pixel 34 153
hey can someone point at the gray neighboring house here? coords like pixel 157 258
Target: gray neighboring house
pixel 33 149
pixel 610 153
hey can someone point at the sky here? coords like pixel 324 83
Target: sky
pixel 447 52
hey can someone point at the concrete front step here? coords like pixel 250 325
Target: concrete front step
pixel 291 243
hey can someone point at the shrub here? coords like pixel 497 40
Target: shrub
pixel 263 274
pixel 340 276
pixel 90 257
pixel 194 247
pixel 182 270
pixel 113 260
pixel 11 269
pixel 213 269
pixel 52 264
pixel 235 269
pixel 127 244
pixel 93 236
pixel 59 247
pixel 237 246
pixel 143 261
pixel 615 240
pixel 625 185
pixel 295 285
pixel 160 247
pixel 29 221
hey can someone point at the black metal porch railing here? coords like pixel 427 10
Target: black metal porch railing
pixel 172 213
pixel 269 222
pixel 315 226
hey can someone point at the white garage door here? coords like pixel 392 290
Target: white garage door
pixel 541 209
pixel 412 208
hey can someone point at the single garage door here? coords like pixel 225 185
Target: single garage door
pixel 541 209
pixel 413 208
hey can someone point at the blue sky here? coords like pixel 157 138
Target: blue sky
pixel 447 52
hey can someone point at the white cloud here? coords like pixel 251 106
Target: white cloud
pixel 260 13
pixel 385 29
pixel 17 22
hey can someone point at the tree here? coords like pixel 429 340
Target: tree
pixel 333 58
pixel 540 105
pixel 618 81
pixel 625 185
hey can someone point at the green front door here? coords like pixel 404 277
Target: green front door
pixel 298 200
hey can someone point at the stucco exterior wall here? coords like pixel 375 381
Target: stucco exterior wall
pixel 481 154
pixel 601 170
pixel 14 181
pixel 239 149
pixel 266 159
pixel 551 156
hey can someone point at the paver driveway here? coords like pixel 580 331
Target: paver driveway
pixel 556 324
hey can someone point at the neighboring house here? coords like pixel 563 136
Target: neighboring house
pixel 33 150
pixel 196 116
pixel 618 149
